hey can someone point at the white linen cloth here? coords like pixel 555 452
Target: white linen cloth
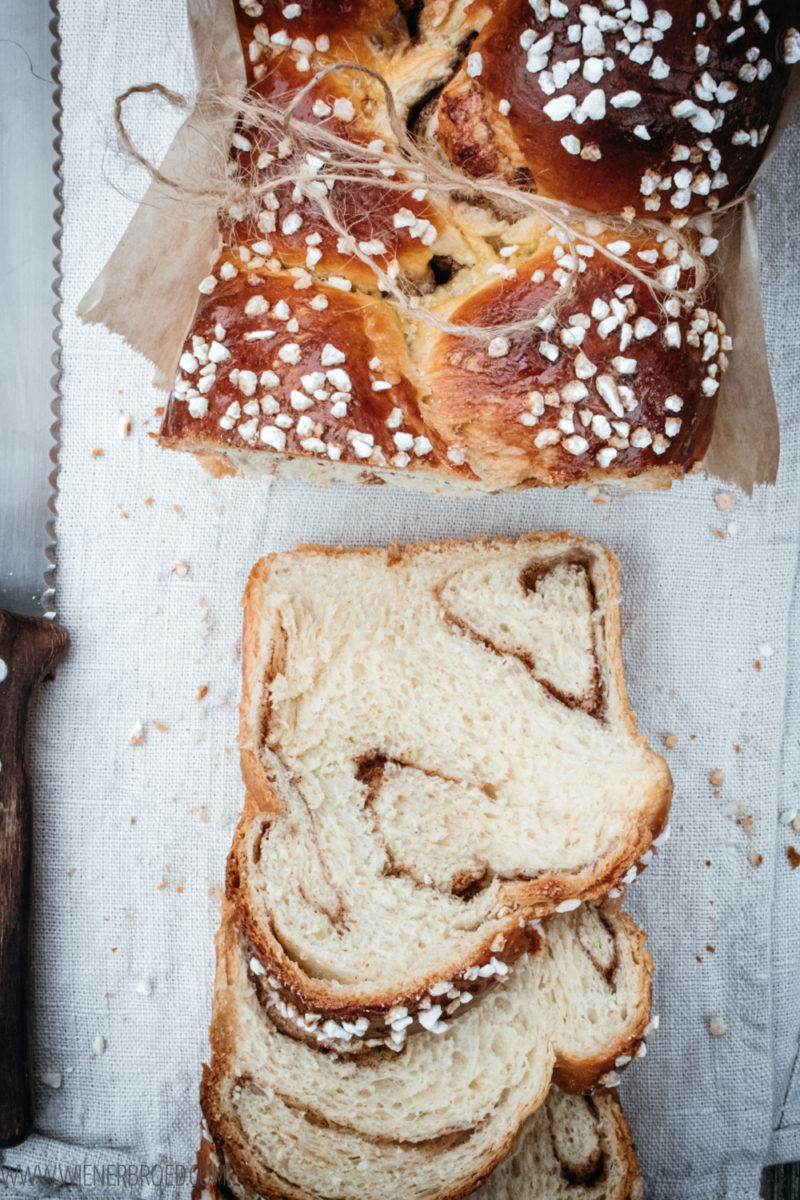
pixel 130 840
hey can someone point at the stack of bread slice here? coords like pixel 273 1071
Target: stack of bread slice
pixel 425 982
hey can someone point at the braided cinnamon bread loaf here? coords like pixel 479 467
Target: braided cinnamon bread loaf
pixel 301 363
pixel 434 1121
pixel 438 751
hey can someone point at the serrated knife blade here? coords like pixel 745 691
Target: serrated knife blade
pixel 30 643
pixel 30 214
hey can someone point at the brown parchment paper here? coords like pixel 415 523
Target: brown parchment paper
pixel 147 291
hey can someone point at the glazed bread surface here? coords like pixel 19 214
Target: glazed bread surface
pixel 656 108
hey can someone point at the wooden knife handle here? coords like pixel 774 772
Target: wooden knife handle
pixel 29 648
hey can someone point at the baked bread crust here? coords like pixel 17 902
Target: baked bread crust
pixel 683 93
pixel 284 406
pixel 506 909
pixel 240 1066
pixel 627 388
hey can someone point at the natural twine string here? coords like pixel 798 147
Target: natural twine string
pixel 398 167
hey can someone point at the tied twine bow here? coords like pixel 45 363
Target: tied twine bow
pixel 331 159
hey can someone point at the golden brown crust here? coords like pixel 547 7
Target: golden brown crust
pixel 364 30
pixel 365 210
pixel 636 392
pixel 208 1182
pixel 622 136
pixel 524 899
pixel 277 393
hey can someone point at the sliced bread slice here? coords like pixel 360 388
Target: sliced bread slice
pixel 433 1121
pixel 438 750
pixel 572 1148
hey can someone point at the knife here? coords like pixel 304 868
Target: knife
pixel 30 641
